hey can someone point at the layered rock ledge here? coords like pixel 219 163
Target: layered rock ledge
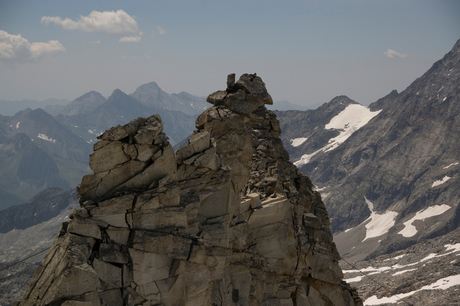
pixel 227 220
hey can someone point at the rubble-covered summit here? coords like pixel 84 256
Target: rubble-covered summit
pixel 227 220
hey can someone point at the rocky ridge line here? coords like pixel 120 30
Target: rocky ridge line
pixel 228 220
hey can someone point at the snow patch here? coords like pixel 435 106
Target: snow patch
pixel 298 141
pixel 403 271
pixel 368 269
pixel 409 230
pixel 348 121
pixel 44 137
pixel 17 125
pixel 453 164
pixel 320 189
pixel 354 279
pixel 305 159
pixel 395 258
pixel 439 182
pixel 379 224
pixel 442 284
pixel 453 247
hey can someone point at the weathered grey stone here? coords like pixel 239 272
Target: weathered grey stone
pixel 164 168
pixel 149 267
pixel 227 221
pixel 130 150
pixel 118 176
pixel 147 134
pixel 83 228
pixel 108 273
pixel 255 86
pixel 114 253
pixel 152 220
pixel 87 188
pixel 118 235
pixel 170 245
pixel 77 280
pixel 134 125
pixel 145 152
pixel 254 200
pixel 113 134
pixel 76 303
pixel 111 297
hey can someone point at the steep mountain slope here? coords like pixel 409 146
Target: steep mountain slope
pixel 42 207
pixel 25 169
pixel 68 151
pixel 152 95
pixel 13 281
pixel 25 230
pixel 39 221
pixel 427 273
pixel 394 182
pixel 307 133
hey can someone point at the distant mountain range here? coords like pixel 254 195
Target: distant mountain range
pixel 9 108
pixel 40 150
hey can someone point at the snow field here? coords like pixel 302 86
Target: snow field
pixel 439 182
pixel 348 121
pixel 409 230
pixel 298 141
pixel 379 224
pixel 44 137
pixel 440 284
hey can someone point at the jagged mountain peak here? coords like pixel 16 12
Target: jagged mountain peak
pixel 384 102
pixel 152 95
pixel 90 94
pixel 342 99
pixel 228 211
pixel 83 104
pixel 152 86
pixel 117 93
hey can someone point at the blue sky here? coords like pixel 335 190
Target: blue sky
pixel 307 52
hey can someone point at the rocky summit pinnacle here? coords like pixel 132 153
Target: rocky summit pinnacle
pixel 227 220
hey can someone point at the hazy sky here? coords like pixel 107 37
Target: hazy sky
pixel 307 52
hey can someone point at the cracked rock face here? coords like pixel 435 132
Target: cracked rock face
pixel 227 220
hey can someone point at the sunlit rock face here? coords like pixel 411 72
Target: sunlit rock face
pixel 227 220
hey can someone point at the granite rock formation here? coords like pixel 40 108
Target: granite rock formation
pixel 227 220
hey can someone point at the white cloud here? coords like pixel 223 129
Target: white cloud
pixel 161 31
pixel 392 54
pixel 134 39
pixel 40 49
pixel 111 23
pixel 16 49
pixel 96 42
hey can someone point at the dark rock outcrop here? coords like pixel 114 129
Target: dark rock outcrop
pixel 227 220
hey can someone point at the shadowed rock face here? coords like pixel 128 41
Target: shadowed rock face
pixel 228 220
